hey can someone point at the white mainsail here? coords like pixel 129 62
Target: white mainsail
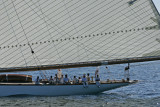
pixel 50 32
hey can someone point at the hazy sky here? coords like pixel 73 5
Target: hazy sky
pixel 157 3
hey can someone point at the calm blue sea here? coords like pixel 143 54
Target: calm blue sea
pixel 146 93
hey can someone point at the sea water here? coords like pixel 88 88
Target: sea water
pixel 146 93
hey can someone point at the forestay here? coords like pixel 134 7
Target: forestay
pixel 48 32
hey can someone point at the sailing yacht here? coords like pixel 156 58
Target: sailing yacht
pixel 40 35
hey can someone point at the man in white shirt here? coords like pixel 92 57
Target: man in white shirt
pixel 59 74
pixel 75 80
pixel 55 79
pixel 61 80
pixel 80 80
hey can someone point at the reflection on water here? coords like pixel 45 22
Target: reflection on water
pixel 146 93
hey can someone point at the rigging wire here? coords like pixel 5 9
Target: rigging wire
pixel 43 76
pixel 46 25
pixel 76 32
pixel 46 17
pixel 14 33
pixel 78 45
pixel 77 41
pixel 144 33
pixel 131 35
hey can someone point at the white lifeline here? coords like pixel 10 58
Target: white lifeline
pixel 57 90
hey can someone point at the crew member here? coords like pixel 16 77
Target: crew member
pixel 84 81
pixel 51 80
pixel 66 80
pixel 97 72
pixel 88 78
pixel 97 79
pixel 75 80
pixel 59 74
pixel 37 80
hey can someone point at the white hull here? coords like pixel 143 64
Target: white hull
pixel 57 90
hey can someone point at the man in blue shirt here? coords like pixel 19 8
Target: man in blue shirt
pixel 84 81
pixel 66 80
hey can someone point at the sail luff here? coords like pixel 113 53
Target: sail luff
pixel 81 64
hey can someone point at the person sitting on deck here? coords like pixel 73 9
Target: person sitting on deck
pixel 66 80
pixel 51 80
pixel 88 78
pixel 97 79
pixel 75 80
pixel 37 80
pixel 55 79
pixel 61 80
pixel 80 80
pixel 84 81
pixel 92 79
